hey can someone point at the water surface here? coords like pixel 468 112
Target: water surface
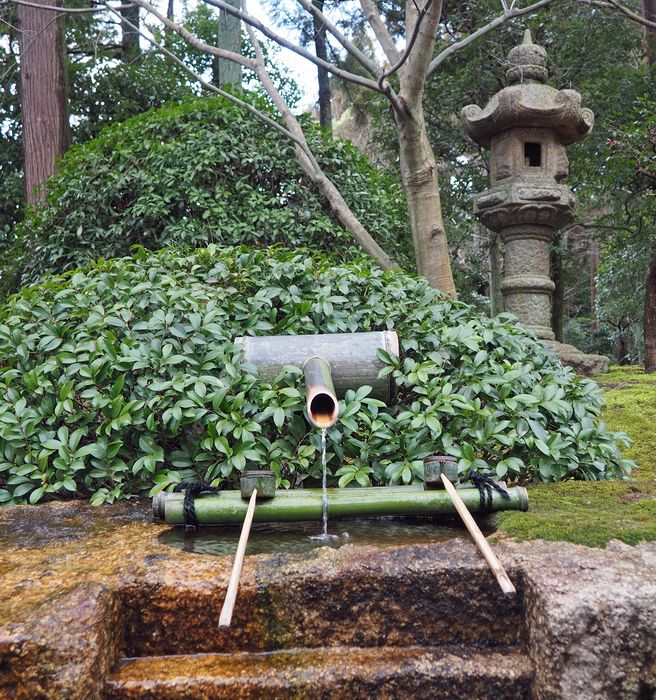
pixel 295 537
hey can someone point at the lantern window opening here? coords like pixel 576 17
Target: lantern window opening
pixel 533 154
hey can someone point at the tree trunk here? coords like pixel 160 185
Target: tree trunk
pixel 621 348
pixel 228 72
pixel 419 178
pixel 649 13
pixel 416 157
pixel 130 48
pixel 558 297
pixel 44 108
pixel 496 274
pixel 321 50
pixel 594 265
pixel 649 318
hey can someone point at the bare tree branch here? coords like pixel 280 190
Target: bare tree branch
pixel 209 86
pixel 409 45
pixel 195 41
pixel 66 10
pixel 363 60
pixel 611 4
pixel 308 162
pixel 82 51
pixel 496 22
pixel 380 30
pixel 414 73
pixel 306 158
pixel 256 24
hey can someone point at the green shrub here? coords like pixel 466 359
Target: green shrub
pixel 205 171
pixel 123 379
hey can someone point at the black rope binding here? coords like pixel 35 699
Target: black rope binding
pixel 485 485
pixel 192 489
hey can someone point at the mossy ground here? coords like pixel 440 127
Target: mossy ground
pixel 594 513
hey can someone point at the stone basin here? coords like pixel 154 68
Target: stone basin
pixel 94 604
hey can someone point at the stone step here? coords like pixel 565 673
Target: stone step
pixel 417 597
pixel 326 673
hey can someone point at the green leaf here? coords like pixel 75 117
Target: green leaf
pixel 362 392
pixel 538 430
pixel 36 494
pixel 51 444
pixel 23 489
pixel 117 388
pixel 94 449
pixel 279 417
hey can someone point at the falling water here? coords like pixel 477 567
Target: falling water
pixel 324 485
pixel 324 537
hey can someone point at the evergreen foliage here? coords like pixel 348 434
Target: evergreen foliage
pixel 628 193
pixel 199 172
pixel 123 378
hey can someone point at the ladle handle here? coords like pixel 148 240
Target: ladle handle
pixel 479 539
pixel 231 595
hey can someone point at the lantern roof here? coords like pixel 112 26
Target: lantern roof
pixel 528 102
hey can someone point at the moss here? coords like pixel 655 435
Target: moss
pixel 631 408
pixel 594 513
pixel 585 513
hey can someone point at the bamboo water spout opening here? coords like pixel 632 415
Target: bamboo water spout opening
pixel 321 400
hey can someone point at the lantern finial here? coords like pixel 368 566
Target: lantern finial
pixel 528 62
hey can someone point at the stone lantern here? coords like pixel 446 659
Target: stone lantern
pixel 526 126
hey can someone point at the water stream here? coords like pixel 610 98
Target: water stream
pixel 324 536
pixel 324 484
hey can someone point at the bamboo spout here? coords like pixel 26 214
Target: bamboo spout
pixel 321 401
pixel 332 363
pixel 353 358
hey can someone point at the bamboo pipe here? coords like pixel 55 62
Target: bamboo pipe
pixel 320 398
pixel 231 595
pixel 353 357
pixel 305 504
pixel 490 557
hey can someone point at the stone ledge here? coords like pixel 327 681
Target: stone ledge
pixel 581 362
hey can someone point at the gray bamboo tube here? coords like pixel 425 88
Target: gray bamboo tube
pixel 320 399
pixel 352 357
pixel 305 504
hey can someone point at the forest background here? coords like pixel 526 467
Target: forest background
pixel 603 264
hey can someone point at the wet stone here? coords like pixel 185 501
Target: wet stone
pixel 30 527
pixel 94 604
